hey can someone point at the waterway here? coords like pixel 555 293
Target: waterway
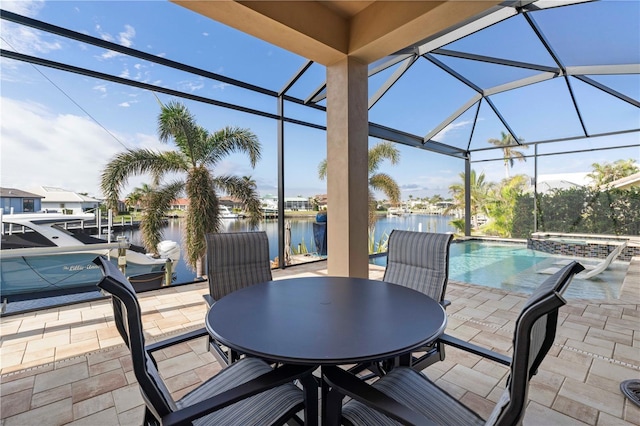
pixel 301 233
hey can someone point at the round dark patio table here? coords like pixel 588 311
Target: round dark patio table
pixel 325 320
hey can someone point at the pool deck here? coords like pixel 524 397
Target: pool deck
pixel 68 365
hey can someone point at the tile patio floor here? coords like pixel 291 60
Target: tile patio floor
pixel 69 366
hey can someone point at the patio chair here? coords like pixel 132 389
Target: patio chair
pixel 247 392
pixel 419 260
pixel 235 260
pixel 409 397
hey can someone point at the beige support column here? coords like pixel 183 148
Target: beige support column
pixel 347 168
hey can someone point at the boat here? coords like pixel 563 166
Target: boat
pixel 226 213
pixel 45 254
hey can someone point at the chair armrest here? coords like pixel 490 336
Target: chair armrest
pixel 350 385
pixel 207 298
pixel 474 349
pixel 277 377
pixel 176 340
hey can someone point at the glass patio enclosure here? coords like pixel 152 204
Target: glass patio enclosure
pixel 559 81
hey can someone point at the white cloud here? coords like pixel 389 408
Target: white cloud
pixel 191 85
pixel 124 104
pixel 24 7
pixel 22 39
pixel 40 147
pixel 442 135
pixel 124 38
pixel 205 34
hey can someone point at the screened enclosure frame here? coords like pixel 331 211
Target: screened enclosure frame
pixel 432 50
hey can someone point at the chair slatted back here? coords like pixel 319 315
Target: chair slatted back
pixel 535 331
pixel 236 260
pixel 419 260
pixel 128 320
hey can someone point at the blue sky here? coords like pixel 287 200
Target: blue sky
pixel 60 129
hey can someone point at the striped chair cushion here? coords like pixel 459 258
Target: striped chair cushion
pixel 236 260
pixel 419 260
pixel 262 409
pixel 416 392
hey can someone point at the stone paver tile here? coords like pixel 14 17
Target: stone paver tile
pixel 175 350
pixel 631 412
pixel 590 322
pixel 103 367
pixel 493 341
pixel 107 355
pixel 612 336
pixel 15 403
pixel 579 411
pixel 605 419
pixel 491 368
pixel 544 387
pixel 132 417
pixel 77 348
pixel 50 395
pixel 452 388
pixel 127 397
pixel 180 364
pixel 588 348
pixel 58 413
pixel 575 356
pixel 592 396
pixel 11 348
pixel 82 336
pixel 93 405
pixel 626 353
pixel 478 404
pixel 59 377
pixel 11 359
pixel 537 415
pixel 105 417
pixel 48 342
pixel 470 379
pixel 38 357
pixel 108 343
pixel 96 385
pixel 565 368
pixel 182 392
pixel 8 386
pixel 181 381
pixel 613 371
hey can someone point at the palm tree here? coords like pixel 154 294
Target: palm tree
pixel 139 195
pixel 507 143
pixel 377 181
pixel 480 190
pixel 197 152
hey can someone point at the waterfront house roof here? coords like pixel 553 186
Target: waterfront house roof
pixel 60 195
pixel 17 193
pixel 626 182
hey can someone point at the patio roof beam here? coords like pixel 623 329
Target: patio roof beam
pixel 295 78
pixel 573 138
pixel 387 133
pixel 473 125
pixel 604 148
pixel 554 55
pixel 474 99
pixel 502 120
pixel 497 61
pixel 549 4
pixel 429 57
pixel 519 83
pixel 391 80
pixel 490 17
pixel 608 90
pixel 107 77
pixel 388 62
pixel 321 94
pixel 603 69
pixel 54 29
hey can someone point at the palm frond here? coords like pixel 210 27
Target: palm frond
pixel 157 204
pixel 380 152
pixel 245 191
pixel 385 183
pixel 322 170
pixel 135 162
pixel 230 140
pixel 203 215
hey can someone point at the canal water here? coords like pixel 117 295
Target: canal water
pixel 301 233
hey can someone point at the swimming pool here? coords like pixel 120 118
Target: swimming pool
pixel 513 267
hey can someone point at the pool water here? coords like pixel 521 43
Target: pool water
pixel 513 267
